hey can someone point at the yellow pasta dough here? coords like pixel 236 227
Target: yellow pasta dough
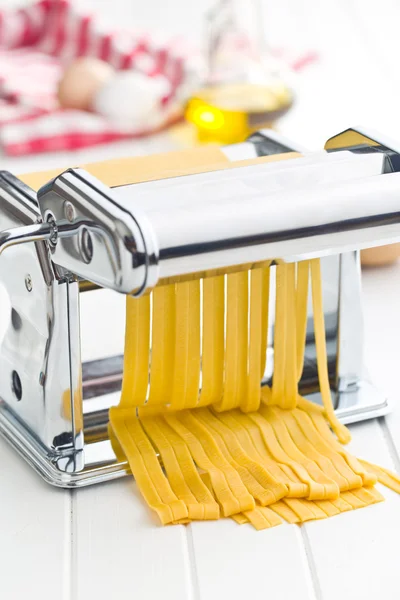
pixel 203 438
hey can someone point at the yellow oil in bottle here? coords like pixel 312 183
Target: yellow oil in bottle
pixel 245 88
pixel 230 112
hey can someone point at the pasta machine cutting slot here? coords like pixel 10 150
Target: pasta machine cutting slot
pixel 264 201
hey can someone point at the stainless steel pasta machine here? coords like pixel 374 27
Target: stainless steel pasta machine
pixel 77 235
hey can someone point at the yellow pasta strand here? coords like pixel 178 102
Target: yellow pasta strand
pixel 185 384
pixel 251 400
pixel 251 440
pixel 303 269
pixel 137 350
pixel 236 341
pixel 284 511
pixel 182 474
pixel 146 468
pixel 368 478
pixel 289 399
pixel 278 385
pixel 305 509
pixel 172 468
pixel 319 487
pixel 264 317
pixel 319 443
pixel 385 477
pixel 262 518
pixel 253 474
pixel 327 488
pixel 341 431
pixel 163 345
pixel 193 424
pixel 308 450
pixel 215 467
pixel 240 518
pixel 213 349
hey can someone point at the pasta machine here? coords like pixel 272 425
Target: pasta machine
pixel 77 235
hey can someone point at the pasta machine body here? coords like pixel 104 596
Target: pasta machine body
pixel 77 236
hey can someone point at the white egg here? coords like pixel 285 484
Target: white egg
pixel 80 82
pixel 131 100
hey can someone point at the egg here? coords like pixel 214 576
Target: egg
pixel 132 100
pixel 81 81
pixel 380 256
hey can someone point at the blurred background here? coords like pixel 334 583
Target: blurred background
pixel 329 63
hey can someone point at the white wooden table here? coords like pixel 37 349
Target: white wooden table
pixel 102 542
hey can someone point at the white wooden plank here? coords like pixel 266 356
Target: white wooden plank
pixel 236 561
pixel 120 550
pixel 34 533
pixel 355 554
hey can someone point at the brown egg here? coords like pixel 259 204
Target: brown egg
pixel 380 256
pixel 80 82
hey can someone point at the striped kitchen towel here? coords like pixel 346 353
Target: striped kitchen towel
pixel 35 44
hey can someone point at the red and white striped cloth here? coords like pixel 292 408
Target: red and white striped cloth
pixel 35 44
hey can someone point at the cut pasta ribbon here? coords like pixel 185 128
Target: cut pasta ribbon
pixel 203 438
